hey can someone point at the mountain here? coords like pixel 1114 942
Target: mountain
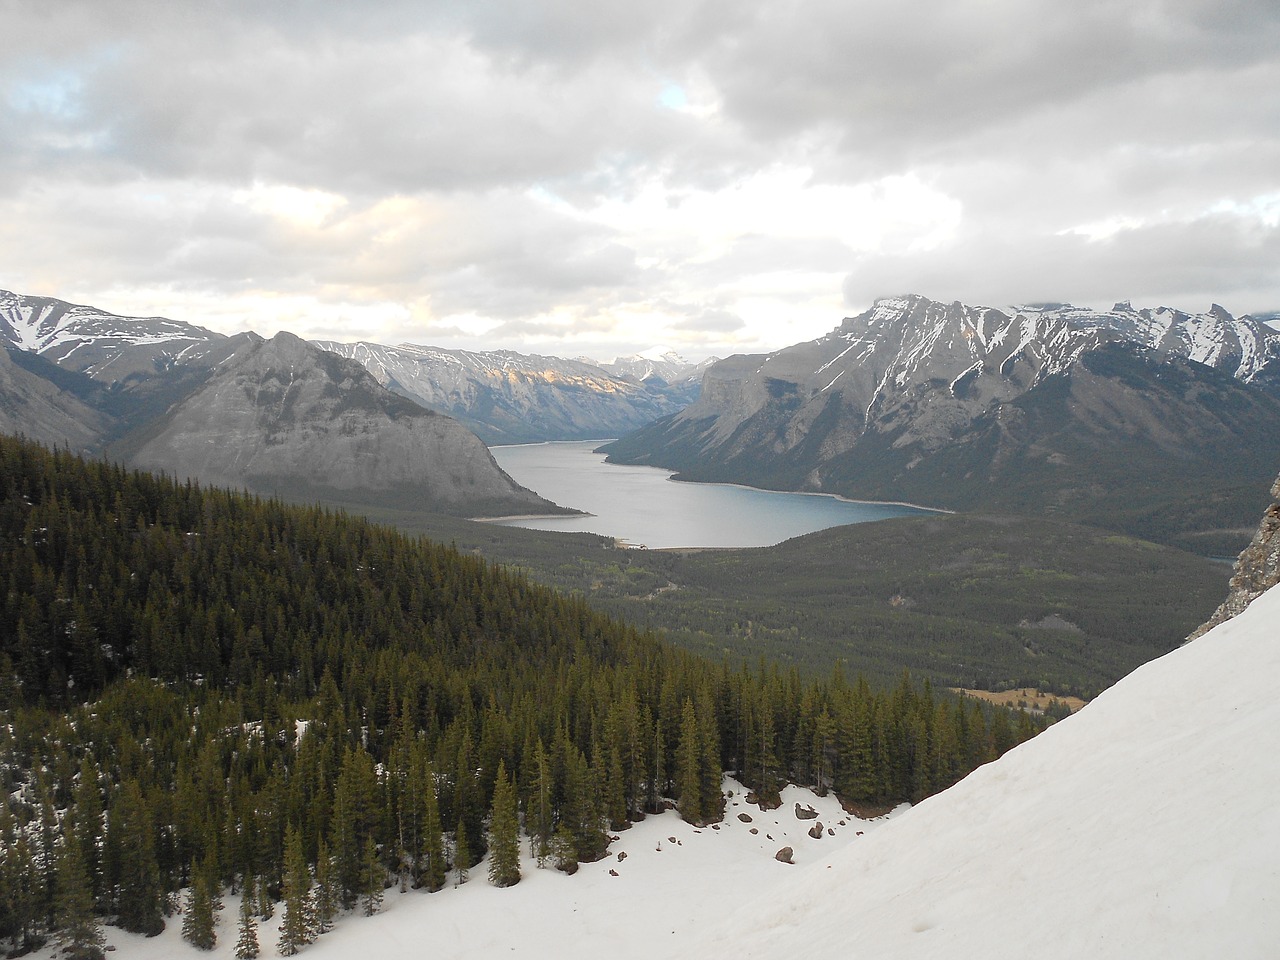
pixel 34 406
pixel 275 417
pixel 1157 422
pixel 660 362
pixel 290 418
pixel 508 397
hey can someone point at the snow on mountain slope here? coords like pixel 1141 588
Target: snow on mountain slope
pixel 90 340
pixel 509 397
pixel 1144 826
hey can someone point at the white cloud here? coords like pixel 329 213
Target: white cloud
pixel 541 173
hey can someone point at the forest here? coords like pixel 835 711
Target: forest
pixel 206 691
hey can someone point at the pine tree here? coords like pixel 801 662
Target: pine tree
pixel 247 944
pixel 78 929
pixel 504 833
pixel 296 927
pixel 198 916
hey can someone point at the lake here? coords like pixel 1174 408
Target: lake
pixel 645 507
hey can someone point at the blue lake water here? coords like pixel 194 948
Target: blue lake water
pixel 643 506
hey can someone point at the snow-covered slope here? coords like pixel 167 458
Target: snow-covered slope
pixel 1144 826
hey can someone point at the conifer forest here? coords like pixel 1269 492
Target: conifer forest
pixel 202 691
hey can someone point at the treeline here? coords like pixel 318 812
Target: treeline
pixel 207 690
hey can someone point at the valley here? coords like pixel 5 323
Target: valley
pixel 956 599
pixel 463 678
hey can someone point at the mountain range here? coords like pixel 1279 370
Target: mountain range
pixel 508 397
pixel 277 417
pixel 1158 422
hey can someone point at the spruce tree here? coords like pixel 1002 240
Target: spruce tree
pixel 198 915
pixel 431 859
pixel 141 903
pixel 373 877
pixel 461 855
pixel 296 927
pixel 325 896
pixel 78 929
pixel 247 944
pixel 688 766
pixel 504 833
pixel 538 812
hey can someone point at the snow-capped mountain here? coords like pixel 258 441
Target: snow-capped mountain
pixel 107 347
pixel 276 417
pixel 508 397
pixel 1056 408
pixel 661 362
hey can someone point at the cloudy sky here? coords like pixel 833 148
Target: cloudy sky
pixel 599 176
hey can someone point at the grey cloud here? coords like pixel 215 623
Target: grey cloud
pixel 1174 264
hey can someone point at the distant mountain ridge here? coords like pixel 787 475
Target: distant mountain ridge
pixel 509 397
pixel 1107 416
pixel 278 417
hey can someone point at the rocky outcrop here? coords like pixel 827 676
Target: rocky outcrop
pixel 1257 568
pixel 286 418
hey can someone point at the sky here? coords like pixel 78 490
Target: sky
pixel 594 179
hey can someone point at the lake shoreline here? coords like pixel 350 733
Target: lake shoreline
pixel 634 506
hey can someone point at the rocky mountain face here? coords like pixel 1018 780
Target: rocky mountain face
pixel 1158 422
pixel 277 417
pixel 508 397
pixel 1257 568
pixel 32 405
pixel 292 419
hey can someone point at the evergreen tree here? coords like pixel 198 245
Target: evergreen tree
pixel 688 766
pixel 141 899
pixel 198 915
pixel 504 833
pixel 461 855
pixel 296 929
pixel 538 811
pixel 373 877
pixel 431 860
pixel 78 929
pixel 247 943
pixel 326 895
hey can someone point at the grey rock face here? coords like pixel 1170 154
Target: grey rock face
pixel 1257 568
pixel 34 407
pixel 289 418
